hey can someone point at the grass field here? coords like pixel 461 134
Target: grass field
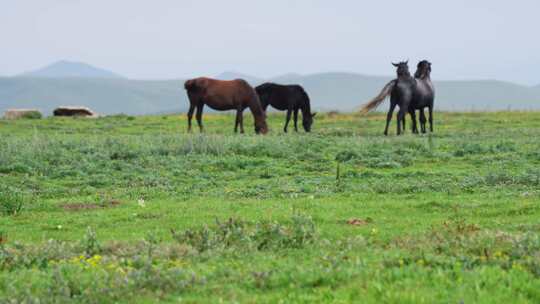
pixel 133 209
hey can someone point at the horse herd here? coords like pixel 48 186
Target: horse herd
pixel 407 92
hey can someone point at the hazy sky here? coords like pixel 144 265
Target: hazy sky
pixel 173 39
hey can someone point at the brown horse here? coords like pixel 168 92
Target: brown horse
pixel 224 95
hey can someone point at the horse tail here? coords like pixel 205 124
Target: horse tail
pixel 376 101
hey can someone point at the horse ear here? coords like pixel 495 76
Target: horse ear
pixel 313 115
pixel 395 64
pixel 407 62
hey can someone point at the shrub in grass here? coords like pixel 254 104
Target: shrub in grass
pixel 470 149
pixel 529 178
pixel 32 115
pixel 346 155
pixel 234 233
pixel 11 201
pixel 90 243
pixel 502 147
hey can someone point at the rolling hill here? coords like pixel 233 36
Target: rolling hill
pixel 328 91
pixel 64 69
pixel 230 75
pixel 105 96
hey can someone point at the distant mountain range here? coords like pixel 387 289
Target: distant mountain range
pixel 71 83
pixel 64 69
pixel 229 75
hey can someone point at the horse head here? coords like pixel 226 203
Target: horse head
pixel 307 121
pixel 402 68
pixel 423 69
pixel 260 124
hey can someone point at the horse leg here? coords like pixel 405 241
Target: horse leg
pixel 241 121
pixel 295 120
pixel 400 116
pixel 190 116
pixel 198 115
pixel 287 120
pixel 237 122
pixel 431 119
pixel 389 117
pixel 414 127
pixel 423 120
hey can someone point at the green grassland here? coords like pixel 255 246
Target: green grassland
pixel 134 209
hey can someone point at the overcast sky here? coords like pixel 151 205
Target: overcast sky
pixel 465 39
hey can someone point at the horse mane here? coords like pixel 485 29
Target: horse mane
pixel 255 106
pixel 307 108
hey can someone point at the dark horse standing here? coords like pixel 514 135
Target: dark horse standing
pixel 423 97
pixel 401 91
pixel 290 98
pixel 223 95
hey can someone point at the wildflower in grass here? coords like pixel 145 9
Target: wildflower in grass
pixel 111 266
pixel 517 266
pixel 141 203
pixel 94 260
pixel 177 264
pixel 77 260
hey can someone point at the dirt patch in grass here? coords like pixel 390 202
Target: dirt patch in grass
pixel 90 206
pixel 359 222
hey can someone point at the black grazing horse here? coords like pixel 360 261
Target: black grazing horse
pixel 423 97
pixel 401 92
pixel 290 98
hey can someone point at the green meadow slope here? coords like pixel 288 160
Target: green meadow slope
pixel 134 209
